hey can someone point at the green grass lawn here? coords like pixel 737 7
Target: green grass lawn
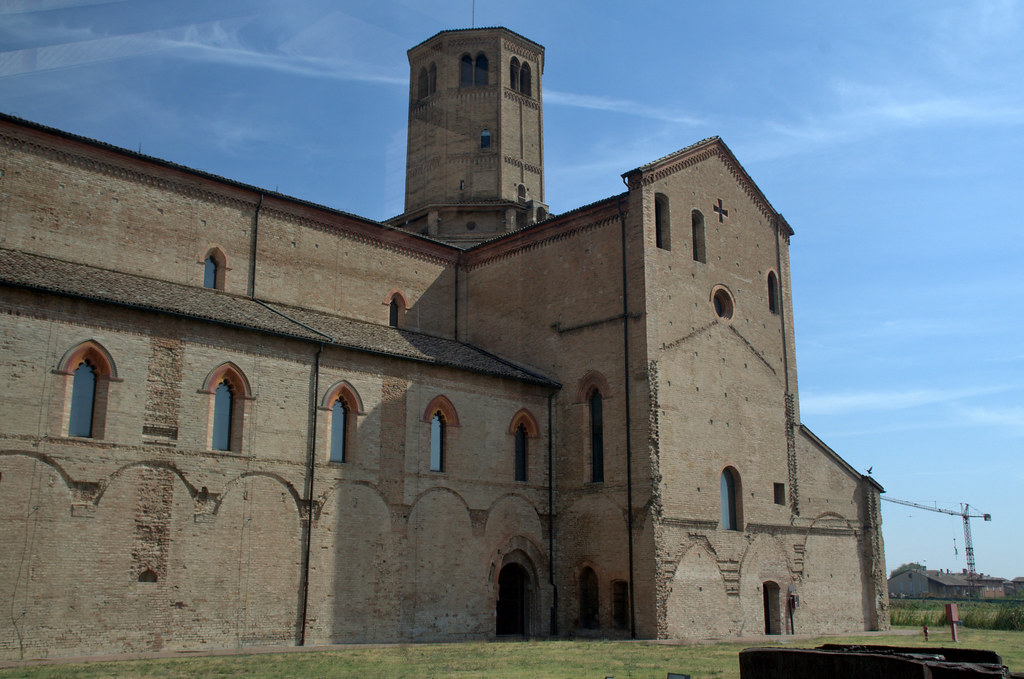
pixel 513 660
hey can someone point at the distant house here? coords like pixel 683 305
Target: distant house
pixel 1014 588
pixel 943 583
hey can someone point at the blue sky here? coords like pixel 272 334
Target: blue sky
pixel 890 135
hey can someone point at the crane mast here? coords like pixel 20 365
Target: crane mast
pixel 965 514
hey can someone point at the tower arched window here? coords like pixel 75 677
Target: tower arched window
pixel 524 80
pixel 513 74
pixel 485 139
pixel 466 71
pixel 699 249
pixel 521 193
pixel 432 78
pixel 422 85
pixel 480 72
pixel 596 436
pixel 773 292
pixel 730 499
pixel 662 230
pixel 83 400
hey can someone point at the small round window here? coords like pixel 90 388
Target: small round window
pixel 722 301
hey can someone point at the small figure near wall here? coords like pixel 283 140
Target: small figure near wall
pixel 926 632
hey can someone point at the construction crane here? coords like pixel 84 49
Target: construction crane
pixel 965 514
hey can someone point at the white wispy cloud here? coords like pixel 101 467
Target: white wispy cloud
pixel 634 108
pixel 845 403
pixel 212 42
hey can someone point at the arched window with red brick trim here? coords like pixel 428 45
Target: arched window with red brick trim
pixel 343 405
pixel 229 392
pixel 89 370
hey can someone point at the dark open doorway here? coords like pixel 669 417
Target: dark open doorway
pixel 772 609
pixel 513 591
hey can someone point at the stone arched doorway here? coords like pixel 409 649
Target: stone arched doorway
pixel 512 614
pixel 772 607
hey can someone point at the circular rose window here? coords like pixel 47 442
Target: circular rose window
pixel 722 301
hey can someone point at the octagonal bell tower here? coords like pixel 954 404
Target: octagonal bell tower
pixel 475 159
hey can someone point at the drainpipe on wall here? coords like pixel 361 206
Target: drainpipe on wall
pixel 629 446
pixel 551 520
pixel 310 466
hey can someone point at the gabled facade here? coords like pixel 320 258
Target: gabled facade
pixel 310 427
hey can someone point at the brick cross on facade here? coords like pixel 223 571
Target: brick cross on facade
pixel 722 212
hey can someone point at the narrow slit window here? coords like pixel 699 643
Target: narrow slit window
pixel 662 231
pixel 210 273
pixel 596 437
pixel 699 248
pixel 83 400
pixel 393 313
pixel 339 431
pixel 520 461
pixel 223 406
pixel 730 515
pixel 437 442
pixel 773 292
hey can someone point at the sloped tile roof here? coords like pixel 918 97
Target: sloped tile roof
pixel 70 279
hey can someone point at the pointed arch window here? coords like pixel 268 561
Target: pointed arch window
pixel 699 248
pixel 229 390
pixel 339 431
pixel 437 442
pixel 730 499
pixel 342 407
pixel 662 232
pixel 466 71
pixel 214 267
pixel 773 292
pixel 393 313
pixel 398 304
pixel 522 428
pixel 223 408
pixel 520 461
pixel 89 371
pixel 83 400
pixel 441 416
pixel 524 80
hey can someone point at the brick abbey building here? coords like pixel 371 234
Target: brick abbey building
pixel 233 418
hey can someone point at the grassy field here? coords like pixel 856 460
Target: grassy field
pixel 514 660
pixel 1004 614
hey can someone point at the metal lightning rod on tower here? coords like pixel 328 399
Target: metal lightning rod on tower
pixel 965 513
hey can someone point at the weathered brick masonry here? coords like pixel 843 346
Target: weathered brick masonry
pixel 472 421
